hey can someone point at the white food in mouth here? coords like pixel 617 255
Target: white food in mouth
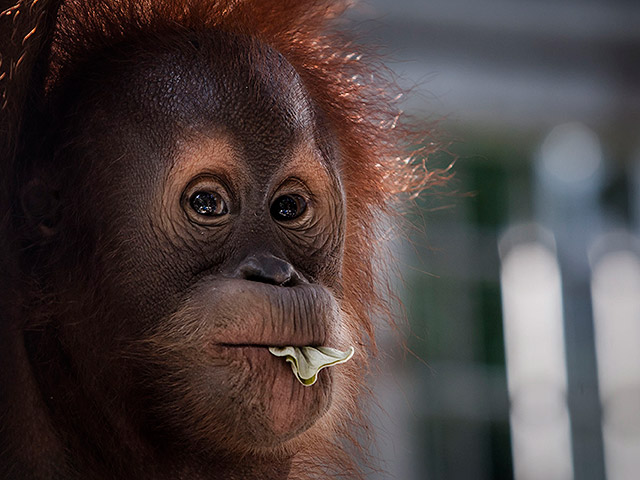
pixel 306 362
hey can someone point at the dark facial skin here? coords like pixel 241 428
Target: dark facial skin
pixel 207 217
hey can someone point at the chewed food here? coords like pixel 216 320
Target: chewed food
pixel 306 362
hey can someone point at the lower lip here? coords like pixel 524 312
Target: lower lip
pixel 259 361
pixel 291 407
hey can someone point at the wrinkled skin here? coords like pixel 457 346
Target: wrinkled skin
pixel 167 357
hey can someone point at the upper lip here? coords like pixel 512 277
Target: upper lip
pixel 248 313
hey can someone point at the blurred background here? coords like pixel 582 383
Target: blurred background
pixel 523 297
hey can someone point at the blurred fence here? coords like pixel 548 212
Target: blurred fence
pixel 523 298
pixel 571 312
pixel 525 309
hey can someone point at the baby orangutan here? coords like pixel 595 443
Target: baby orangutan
pixel 191 204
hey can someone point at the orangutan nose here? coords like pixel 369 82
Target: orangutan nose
pixel 268 269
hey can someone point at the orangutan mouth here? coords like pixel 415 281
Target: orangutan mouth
pixel 306 362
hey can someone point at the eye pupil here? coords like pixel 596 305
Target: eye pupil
pixel 208 204
pixel 288 207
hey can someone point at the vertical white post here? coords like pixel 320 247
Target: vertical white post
pixel 570 173
pixel 615 289
pixel 536 368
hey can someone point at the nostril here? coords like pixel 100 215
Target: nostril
pixel 268 269
pixel 292 281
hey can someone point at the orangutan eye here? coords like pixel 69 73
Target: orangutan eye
pixel 207 201
pixel 288 207
pixel 208 204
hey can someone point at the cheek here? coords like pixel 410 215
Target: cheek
pixel 149 269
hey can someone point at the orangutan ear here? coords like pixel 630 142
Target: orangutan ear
pixel 40 203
